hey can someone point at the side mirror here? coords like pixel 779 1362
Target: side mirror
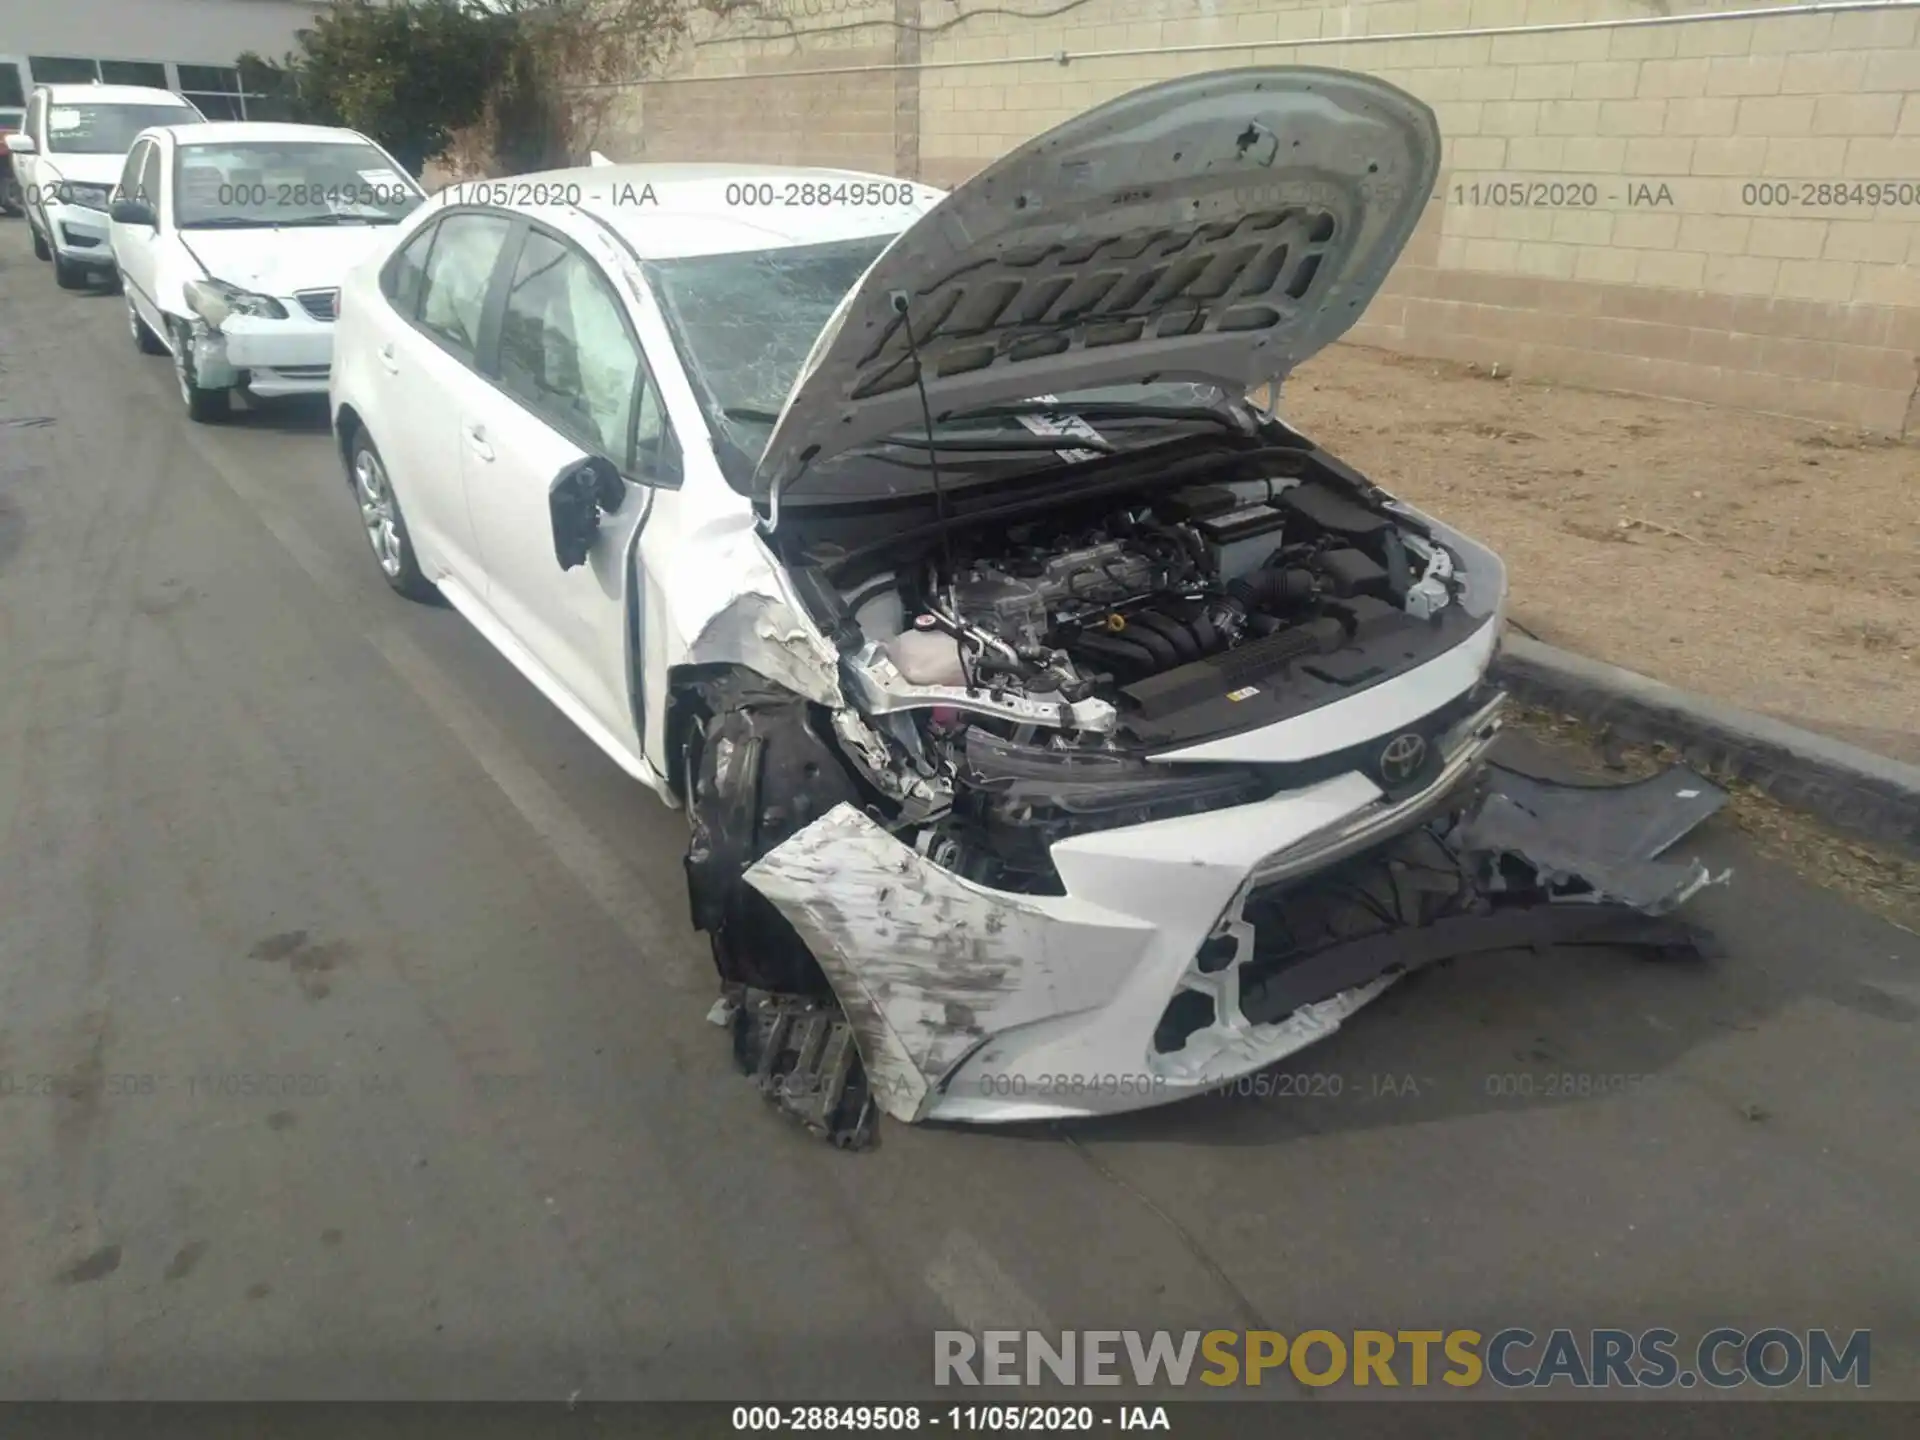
pixel 21 143
pixel 578 497
pixel 134 212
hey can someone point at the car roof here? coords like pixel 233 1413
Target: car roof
pixel 110 95
pixel 216 131
pixel 667 210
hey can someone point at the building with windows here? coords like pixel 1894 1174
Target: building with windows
pixel 188 46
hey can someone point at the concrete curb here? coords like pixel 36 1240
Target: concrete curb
pixel 1855 789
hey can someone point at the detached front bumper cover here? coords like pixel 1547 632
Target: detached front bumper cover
pixel 972 1004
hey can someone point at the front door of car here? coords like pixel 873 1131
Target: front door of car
pixel 575 389
pixel 136 247
pixel 425 348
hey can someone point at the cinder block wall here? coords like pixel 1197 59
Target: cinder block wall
pixel 1724 209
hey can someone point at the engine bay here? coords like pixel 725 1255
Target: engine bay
pixel 1017 680
pixel 1114 619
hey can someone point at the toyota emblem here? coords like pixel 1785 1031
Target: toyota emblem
pixel 1402 757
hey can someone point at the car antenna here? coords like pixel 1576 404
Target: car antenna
pixel 899 298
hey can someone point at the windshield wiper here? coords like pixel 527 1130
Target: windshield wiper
pixel 752 414
pixel 312 220
pixel 231 222
pixel 1099 410
pixel 1001 444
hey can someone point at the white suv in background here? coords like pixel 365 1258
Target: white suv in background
pixel 66 160
pixel 231 240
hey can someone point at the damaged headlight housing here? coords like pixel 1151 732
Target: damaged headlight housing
pixel 215 301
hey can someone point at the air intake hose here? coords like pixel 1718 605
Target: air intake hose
pixel 1280 588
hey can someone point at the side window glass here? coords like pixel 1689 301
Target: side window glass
pixel 458 272
pixel 406 273
pixel 565 351
pixel 649 427
pixel 150 177
pixel 129 186
pixel 656 454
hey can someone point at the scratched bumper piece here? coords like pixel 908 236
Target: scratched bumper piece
pixel 1156 975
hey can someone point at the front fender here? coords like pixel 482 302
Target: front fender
pixel 723 601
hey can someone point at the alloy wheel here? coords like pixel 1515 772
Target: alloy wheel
pixel 370 488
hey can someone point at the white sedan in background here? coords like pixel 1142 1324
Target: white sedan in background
pixel 231 240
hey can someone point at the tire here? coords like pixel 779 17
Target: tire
pixel 382 521
pixel 144 340
pixel 41 250
pixel 204 407
pixel 67 275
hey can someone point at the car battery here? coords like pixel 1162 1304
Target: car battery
pixel 1241 540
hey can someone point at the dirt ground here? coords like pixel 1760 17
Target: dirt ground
pixel 1771 562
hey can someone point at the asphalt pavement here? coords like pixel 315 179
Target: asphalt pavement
pixel 352 1034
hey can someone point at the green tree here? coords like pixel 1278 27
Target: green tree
pixel 407 74
pixel 568 61
pixel 540 75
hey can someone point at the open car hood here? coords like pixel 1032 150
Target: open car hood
pixel 1219 228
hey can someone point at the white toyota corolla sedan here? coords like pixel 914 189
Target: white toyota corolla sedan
pixel 231 238
pixel 1059 733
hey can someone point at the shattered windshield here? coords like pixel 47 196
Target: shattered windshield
pixel 744 324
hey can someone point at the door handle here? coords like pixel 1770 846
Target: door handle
pixel 477 442
pixel 387 359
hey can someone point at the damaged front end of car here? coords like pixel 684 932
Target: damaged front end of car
pixel 1042 890
pixel 1184 952
pixel 1159 739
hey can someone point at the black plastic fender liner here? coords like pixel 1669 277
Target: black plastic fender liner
pixel 764 774
pixel 1326 973
pixel 1548 863
pixel 1608 838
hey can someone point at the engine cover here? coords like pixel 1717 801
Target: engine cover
pixel 1019 599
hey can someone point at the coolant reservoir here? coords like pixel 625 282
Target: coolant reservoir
pixel 927 657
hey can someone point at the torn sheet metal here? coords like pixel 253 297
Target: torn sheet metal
pixel 763 634
pixel 727 602
pixel 1598 842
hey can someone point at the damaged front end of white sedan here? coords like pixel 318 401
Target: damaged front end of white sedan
pixel 1161 735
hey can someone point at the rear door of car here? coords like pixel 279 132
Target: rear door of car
pixel 28 169
pixel 425 344
pixel 569 380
